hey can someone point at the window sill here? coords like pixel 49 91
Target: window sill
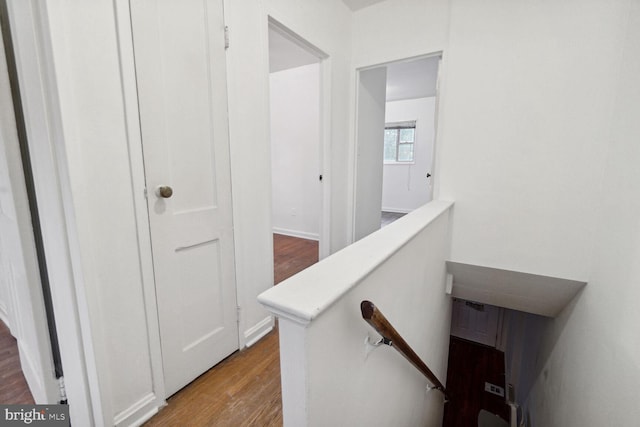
pixel 400 163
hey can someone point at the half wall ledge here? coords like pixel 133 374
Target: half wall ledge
pixel 306 295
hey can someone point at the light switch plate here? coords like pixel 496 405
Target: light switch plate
pixel 494 389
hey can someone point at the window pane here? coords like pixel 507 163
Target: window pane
pixel 407 135
pixel 390 137
pixel 405 152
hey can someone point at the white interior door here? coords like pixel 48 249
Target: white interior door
pixel 372 93
pixel 475 322
pixel 180 68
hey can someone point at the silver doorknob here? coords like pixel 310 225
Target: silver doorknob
pixel 164 191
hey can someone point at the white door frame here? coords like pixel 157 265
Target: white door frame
pixel 26 315
pixel 29 27
pixel 351 229
pixel 436 126
pixel 324 154
pixel 368 167
pixel 324 249
pixel 130 95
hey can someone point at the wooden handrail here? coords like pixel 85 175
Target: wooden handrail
pixel 391 337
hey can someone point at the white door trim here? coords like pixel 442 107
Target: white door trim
pixel 324 249
pixel 150 404
pixel 371 175
pixel 25 313
pixel 324 154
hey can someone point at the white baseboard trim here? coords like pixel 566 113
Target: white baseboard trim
pixel 140 412
pixel 294 233
pixel 397 210
pixel 32 376
pixel 4 316
pixel 257 331
pixel 145 417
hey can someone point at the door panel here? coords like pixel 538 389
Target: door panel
pixel 475 322
pixel 180 68
pixel 372 92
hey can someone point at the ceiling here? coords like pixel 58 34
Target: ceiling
pixel 412 79
pixel 360 4
pixel 531 293
pixel 408 79
pixel 285 53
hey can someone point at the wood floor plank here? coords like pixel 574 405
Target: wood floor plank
pixel 13 386
pixel 388 217
pixel 470 365
pixel 244 389
pixel 291 255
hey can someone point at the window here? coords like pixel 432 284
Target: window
pixel 399 139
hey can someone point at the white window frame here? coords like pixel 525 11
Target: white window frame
pixel 411 124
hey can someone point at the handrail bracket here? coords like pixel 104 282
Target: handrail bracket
pixel 381 341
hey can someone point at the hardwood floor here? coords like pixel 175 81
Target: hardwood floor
pixel 292 255
pixel 470 365
pixel 388 217
pixel 13 387
pixel 244 389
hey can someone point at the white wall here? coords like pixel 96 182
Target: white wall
pixel 406 187
pixel 524 333
pixel 21 296
pixel 399 29
pixel 5 277
pixel 529 93
pixel 295 151
pixel 524 124
pixel 329 377
pixel 8 138
pixel 588 371
pixel 369 143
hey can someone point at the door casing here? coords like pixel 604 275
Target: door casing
pixel 353 171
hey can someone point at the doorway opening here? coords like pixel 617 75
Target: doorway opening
pixel 296 123
pixel 477 334
pixel 504 346
pixel 395 140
